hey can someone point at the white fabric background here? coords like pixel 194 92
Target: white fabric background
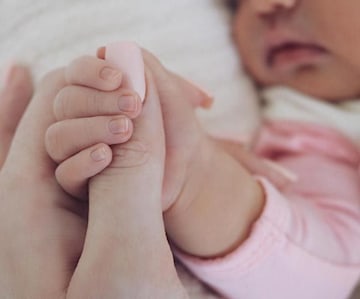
pixel 190 37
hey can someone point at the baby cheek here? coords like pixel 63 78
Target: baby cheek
pixel 248 36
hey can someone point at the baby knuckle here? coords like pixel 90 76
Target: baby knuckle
pixel 95 103
pixel 75 70
pixel 80 62
pixel 132 154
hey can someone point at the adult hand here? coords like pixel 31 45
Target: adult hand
pixel 41 228
pixel 15 95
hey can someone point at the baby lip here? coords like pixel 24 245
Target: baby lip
pixel 282 38
pixel 289 46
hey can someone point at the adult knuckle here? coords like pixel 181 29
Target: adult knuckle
pixel 62 103
pixel 55 79
pixel 49 77
pixel 53 143
pixel 151 58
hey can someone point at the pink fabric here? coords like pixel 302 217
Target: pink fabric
pixel 306 244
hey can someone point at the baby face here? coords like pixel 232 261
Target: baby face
pixel 309 45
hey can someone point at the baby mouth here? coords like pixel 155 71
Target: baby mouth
pixel 293 54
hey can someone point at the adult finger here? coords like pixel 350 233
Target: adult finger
pixel 177 98
pixel 193 94
pixel 14 98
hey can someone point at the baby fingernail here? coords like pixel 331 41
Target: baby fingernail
pixel 119 126
pixel 99 154
pixel 110 74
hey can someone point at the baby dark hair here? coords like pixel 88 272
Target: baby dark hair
pixel 232 4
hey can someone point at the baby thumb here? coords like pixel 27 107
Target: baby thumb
pixel 195 95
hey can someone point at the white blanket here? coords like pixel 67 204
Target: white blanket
pixel 190 37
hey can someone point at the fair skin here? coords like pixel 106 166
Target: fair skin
pixel 60 214
pixel 43 228
pixel 16 88
pixel 331 74
pixel 243 205
pixel 189 156
pixel 50 269
pixel 308 51
pixel 54 264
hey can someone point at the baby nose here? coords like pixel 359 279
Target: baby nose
pixel 269 6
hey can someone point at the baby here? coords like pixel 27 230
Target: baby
pixel 238 232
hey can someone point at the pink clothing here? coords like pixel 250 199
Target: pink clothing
pixel 306 244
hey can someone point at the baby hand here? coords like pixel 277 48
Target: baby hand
pixel 93 112
pixel 211 200
pixel 188 148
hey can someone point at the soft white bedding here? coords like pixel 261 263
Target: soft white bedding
pixel 190 37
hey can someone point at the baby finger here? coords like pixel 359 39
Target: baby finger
pixel 66 138
pixel 78 101
pixel 73 174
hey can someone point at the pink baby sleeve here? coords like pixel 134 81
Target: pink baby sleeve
pixel 306 244
pixel 271 265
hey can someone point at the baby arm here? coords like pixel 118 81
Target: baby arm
pixel 80 141
pixel 213 199
pixel 302 246
pixel 202 225
pixel 85 108
pixel 220 206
